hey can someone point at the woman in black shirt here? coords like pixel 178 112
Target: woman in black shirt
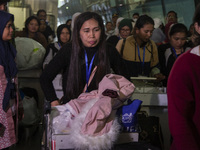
pixel 87 51
pixel 168 53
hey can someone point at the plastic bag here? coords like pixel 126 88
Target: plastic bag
pixel 31 112
pixel 61 118
pixel 30 53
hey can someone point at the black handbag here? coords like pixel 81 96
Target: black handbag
pixel 150 130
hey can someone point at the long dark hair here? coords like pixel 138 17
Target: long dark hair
pixel 28 20
pixel 196 19
pixel 74 80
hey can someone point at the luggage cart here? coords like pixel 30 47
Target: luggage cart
pixel 52 140
pixel 60 141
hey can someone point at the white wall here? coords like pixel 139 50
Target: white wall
pixel 20 15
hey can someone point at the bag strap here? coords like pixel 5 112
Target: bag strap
pixel 122 48
pixel 54 50
pixel 90 79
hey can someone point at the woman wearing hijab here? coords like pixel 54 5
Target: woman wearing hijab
pixel 64 36
pixel 8 71
pixel 117 25
pixel 125 29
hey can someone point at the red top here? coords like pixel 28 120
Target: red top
pixel 183 92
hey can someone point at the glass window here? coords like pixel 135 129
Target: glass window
pixel 125 8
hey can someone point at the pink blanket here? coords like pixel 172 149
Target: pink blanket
pixel 95 113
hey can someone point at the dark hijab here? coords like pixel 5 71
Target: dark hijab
pixel 7 56
pixel 59 30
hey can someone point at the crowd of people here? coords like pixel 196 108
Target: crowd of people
pixel 87 49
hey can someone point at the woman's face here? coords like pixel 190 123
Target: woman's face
pixel 178 40
pixel 90 33
pixel 109 26
pixel 125 32
pixel 8 31
pixel 33 26
pixel 145 33
pixel 64 36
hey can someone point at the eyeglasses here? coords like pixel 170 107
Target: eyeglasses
pixel 125 30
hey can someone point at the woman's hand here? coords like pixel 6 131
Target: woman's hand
pixel 55 103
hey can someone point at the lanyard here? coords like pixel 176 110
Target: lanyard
pixel 175 52
pixel 59 45
pixel 140 57
pixel 88 70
